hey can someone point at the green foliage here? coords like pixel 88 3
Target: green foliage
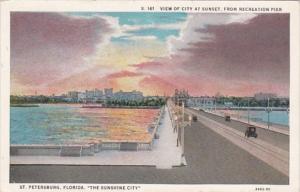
pixel 157 101
pixel 34 99
pixel 252 102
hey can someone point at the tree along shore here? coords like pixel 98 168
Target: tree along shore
pixel 29 100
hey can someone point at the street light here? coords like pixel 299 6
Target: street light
pixel 238 111
pixel 181 125
pixel 190 120
pixel 175 128
pixel 268 111
pixel 182 132
pixel 215 105
pixel 248 111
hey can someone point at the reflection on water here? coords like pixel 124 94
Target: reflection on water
pixel 59 124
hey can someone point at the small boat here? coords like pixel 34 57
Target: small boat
pixel 92 106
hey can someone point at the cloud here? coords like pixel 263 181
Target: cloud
pixel 128 28
pixel 156 85
pixel 189 34
pixel 254 51
pixel 49 46
pixel 235 55
pixel 149 37
pixel 123 73
pixel 147 65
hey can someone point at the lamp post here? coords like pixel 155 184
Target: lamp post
pixel 175 127
pixel 288 113
pixel 190 120
pixel 269 111
pixel 215 105
pixel 182 130
pixel 248 111
pixel 238 111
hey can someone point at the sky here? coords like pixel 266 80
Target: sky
pixel 231 54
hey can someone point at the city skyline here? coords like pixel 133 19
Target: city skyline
pixel 112 92
pixel 154 53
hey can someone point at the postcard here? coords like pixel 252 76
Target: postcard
pixel 149 96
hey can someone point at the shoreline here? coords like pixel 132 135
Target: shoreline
pixel 82 105
pixel 123 107
pixel 24 105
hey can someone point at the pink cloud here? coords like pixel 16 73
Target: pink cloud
pixel 147 65
pixel 239 59
pixel 154 85
pixel 47 47
pixel 123 73
pixel 255 51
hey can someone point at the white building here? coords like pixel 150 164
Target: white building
pixel 264 96
pixel 133 95
pixel 108 93
pixel 81 97
pixel 203 101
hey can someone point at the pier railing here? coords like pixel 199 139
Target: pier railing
pixel 157 123
pixel 171 110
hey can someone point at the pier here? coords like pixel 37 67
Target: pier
pixel 215 151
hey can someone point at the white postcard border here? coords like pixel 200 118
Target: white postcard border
pixel 291 7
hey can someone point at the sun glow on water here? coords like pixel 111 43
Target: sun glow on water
pixel 61 124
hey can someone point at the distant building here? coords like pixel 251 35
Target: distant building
pixel 89 95
pixel 133 95
pixel 181 96
pixel 284 101
pixel 81 97
pixel 108 93
pixel 92 95
pixel 264 96
pixel 98 93
pixel 228 104
pixel 72 96
pixel 203 101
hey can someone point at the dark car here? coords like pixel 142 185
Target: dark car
pixel 227 117
pixel 251 132
pixel 194 118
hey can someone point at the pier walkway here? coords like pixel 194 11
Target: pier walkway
pixel 212 157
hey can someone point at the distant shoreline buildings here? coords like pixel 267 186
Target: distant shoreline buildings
pixel 105 98
pixel 257 100
pixel 101 96
pixel 108 97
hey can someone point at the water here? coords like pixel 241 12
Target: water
pixel 276 117
pixel 71 124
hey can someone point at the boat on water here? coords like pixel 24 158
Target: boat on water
pixel 92 106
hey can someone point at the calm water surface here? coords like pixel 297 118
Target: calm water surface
pixel 71 124
pixel 275 117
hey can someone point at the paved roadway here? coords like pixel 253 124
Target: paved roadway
pixel 278 139
pixel 211 160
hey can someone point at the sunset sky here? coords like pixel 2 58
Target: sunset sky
pixel 234 54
